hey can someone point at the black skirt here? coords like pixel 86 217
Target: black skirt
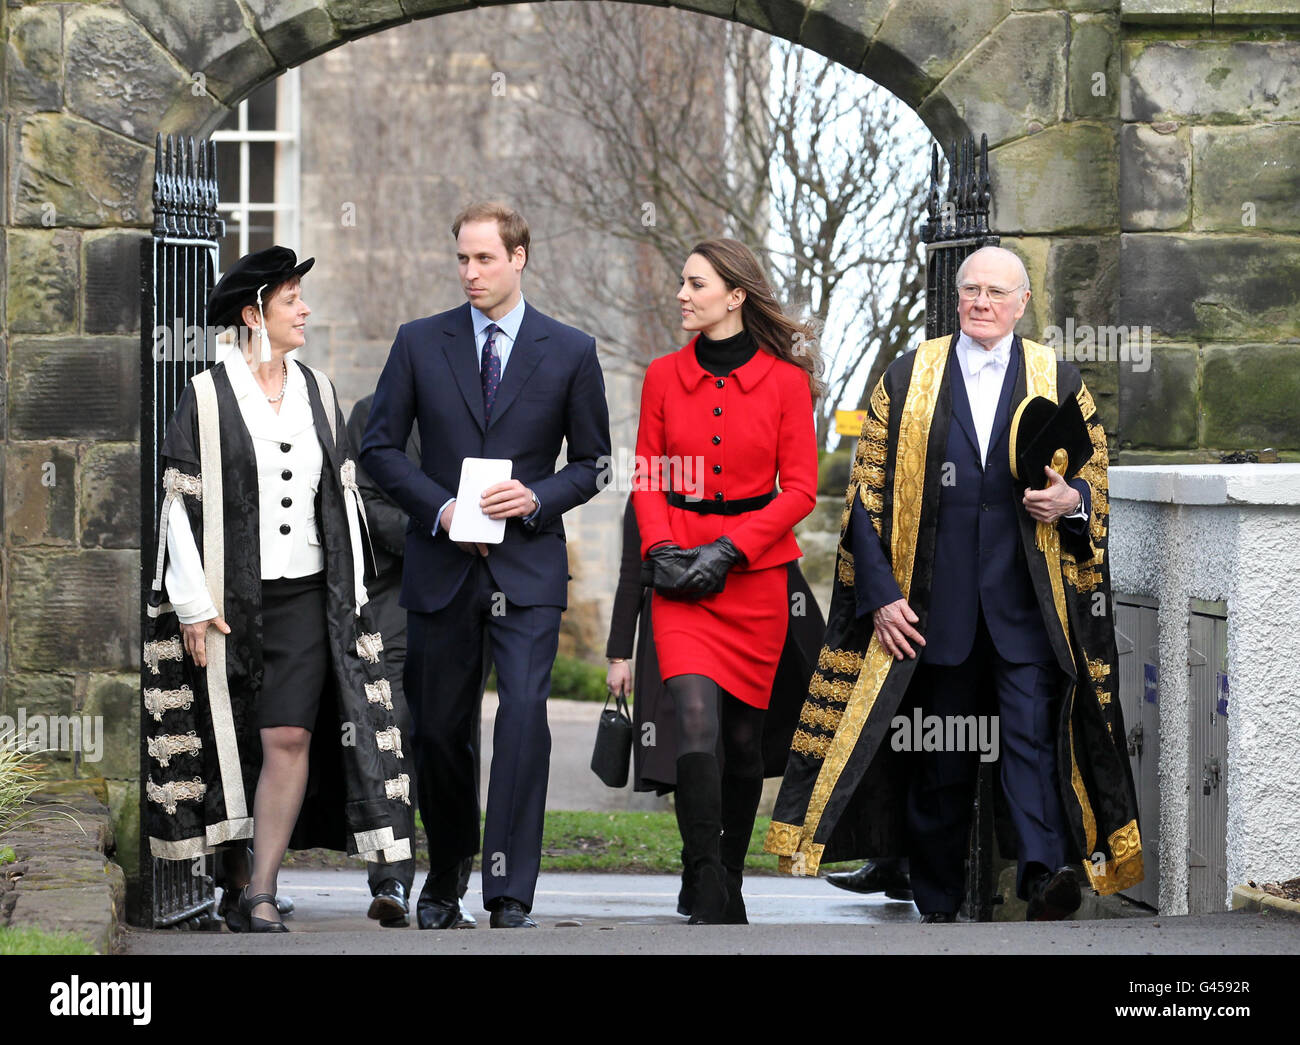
pixel 295 651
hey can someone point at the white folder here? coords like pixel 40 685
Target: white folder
pixel 469 522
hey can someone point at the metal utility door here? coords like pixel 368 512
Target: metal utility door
pixel 1207 843
pixel 1137 638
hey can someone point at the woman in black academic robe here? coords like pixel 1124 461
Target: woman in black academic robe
pixel 270 715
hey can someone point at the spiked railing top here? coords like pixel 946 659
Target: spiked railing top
pixel 963 210
pixel 185 189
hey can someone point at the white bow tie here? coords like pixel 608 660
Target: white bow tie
pixel 982 358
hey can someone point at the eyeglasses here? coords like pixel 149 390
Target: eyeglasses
pixel 997 295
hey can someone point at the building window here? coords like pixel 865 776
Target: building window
pixel 258 150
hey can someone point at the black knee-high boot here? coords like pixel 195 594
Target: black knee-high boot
pixel 699 806
pixel 685 895
pixel 740 797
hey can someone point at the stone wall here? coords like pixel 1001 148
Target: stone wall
pixel 1131 142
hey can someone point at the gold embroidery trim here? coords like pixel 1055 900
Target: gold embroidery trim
pixel 827 718
pixel 398 788
pixel 838 690
pixel 1040 380
pixel 909 467
pixel 844 567
pixel 807 744
pixel 1125 868
pixel 369 645
pixel 840 661
pixel 390 739
pixel 782 839
pixel 1097 669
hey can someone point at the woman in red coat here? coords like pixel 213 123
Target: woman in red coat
pixel 722 420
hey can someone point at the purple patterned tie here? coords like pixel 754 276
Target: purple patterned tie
pixel 490 371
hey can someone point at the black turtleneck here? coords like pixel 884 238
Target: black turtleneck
pixel 722 357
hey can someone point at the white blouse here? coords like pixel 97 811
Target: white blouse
pixel 289 461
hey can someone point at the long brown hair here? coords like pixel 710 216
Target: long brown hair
pixel 761 313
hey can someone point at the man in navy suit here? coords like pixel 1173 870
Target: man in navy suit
pixel 493 378
pixel 985 629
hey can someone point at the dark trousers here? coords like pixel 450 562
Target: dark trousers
pixel 444 684
pixel 941 786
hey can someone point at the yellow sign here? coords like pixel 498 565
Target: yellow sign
pixel 849 422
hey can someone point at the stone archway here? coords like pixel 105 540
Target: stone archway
pixel 1143 155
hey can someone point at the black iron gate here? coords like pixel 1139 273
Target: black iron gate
pixel 177 267
pixel 957 225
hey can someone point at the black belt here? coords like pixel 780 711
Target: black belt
pixel 716 507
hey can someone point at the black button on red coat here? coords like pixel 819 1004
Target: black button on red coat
pixel 286 502
pixel 285 448
pixel 717 411
pixel 717 439
pixel 286 475
pixel 284 527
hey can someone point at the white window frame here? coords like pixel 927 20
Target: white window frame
pixel 287 207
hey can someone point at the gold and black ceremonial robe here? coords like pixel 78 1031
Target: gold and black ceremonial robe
pixel 843 794
pixel 203 749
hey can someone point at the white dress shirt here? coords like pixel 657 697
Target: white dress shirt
pixel 507 332
pixel 284 443
pixel 984 370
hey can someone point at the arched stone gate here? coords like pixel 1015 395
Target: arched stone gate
pixel 1146 164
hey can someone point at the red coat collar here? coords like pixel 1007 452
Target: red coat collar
pixel 691 373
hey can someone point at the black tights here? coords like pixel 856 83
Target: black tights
pixel 703 708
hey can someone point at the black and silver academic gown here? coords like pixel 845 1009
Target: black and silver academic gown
pixel 654 748
pixel 204 752
pixel 844 792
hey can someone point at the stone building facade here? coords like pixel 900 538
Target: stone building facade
pixel 1144 155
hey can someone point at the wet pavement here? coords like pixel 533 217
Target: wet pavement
pixel 617 914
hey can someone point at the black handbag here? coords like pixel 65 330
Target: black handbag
pixel 613 750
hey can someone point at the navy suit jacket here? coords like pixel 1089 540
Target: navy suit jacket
pixel 552 390
pixel 979 561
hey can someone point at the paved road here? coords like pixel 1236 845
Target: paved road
pixel 634 914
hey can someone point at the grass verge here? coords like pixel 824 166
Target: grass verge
pixel 38 941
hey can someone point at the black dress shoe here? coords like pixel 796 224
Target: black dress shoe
pixel 938 918
pixel 389 907
pixel 1054 896
pixel 466 920
pixel 871 877
pixel 510 914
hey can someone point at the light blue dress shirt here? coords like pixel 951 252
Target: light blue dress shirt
pixel 507 332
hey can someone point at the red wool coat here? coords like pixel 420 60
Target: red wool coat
pixel 733 437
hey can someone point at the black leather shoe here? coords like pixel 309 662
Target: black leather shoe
pixel 938 918
pixel 1054 896
pixel 438 906
pixel 871 877
pixel 466 920
pixel 389 907
pixel 510 914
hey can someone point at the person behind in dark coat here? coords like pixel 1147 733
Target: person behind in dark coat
pixel 654 750
pixel 390 884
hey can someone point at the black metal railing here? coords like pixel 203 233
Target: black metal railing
pixel 177 268
pixel 957 224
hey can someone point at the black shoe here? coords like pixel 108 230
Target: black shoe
pixel 871 877
pixel 255 924
pixel 1054 896
pixel 510 914
pixel 229 910
pixel 938 918
pixel 438 906
pixel 740 797
pixel 389 907
pixel 466 920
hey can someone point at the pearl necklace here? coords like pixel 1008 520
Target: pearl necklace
pixel 284 384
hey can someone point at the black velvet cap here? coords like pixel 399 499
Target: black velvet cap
pixel 1040 429
pixel 238 287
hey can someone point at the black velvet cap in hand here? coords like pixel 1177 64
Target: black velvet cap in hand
pixel 1045 434
pixel 238 287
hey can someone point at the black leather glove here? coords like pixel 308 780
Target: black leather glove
pixel 708 574
pixel 665 568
